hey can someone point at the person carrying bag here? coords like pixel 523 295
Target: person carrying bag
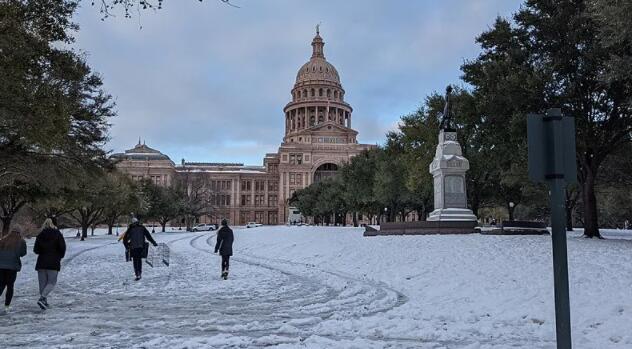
pixel 134 240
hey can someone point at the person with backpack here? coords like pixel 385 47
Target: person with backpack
pixel 50 248
pixel 224 246
pixel 134 240
pixel 12 248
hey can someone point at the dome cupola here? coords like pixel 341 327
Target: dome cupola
pixel 318 69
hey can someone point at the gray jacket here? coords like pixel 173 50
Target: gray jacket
pixel 10 259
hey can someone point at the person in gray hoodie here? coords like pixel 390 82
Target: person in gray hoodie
pixel 12 248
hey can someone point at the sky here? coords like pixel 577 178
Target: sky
pixel 204 81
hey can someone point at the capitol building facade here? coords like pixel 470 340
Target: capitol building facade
pixel 318 139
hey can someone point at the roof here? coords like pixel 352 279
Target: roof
pixel 140 152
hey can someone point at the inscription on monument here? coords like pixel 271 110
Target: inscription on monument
pixel 455 163
pixel 450 136
pixel 454 194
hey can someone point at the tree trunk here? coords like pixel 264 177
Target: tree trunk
pixel 163 224
pixel 110 228
pixel 84 231
pixel 591 220
pixel 570 205
pixel 474 205
pixel 569 216
pixel 355 219
pixel 6 224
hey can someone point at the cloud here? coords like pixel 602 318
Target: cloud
pixel 208 82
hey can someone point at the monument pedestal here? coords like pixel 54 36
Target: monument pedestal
pixel 448 171
pixel 452 214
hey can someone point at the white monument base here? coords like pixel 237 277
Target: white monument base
pixel 452 214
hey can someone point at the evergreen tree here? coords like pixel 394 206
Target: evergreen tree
pixel 53 111
pixel 555 56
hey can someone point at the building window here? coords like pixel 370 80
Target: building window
pixel 296 179
pixel 313 92
pixel 259 216
pixel 272 217
pixel 244 217
pixel 296 159
pixel 259 200
pixel 273 186
pixel 245 200
pixel 246 186
pixel 272 200
pixel 260 185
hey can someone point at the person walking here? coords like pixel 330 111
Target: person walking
pixel 12 248
pixel 134 240
pixel 50 248
pixel 224 246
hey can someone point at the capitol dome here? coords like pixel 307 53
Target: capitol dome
pixel 318 69
pixel 317 98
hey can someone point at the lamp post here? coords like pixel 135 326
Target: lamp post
pixel 386 214
pixel 511 208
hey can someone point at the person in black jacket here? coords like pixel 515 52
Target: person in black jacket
pixel 134 240
pixel 12 248
pixel 50 247
pixel 224 246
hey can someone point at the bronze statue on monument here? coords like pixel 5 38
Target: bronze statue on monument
pixel 446 116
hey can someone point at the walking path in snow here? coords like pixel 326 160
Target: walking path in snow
pixel 320 287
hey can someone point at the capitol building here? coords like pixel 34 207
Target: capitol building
pixel 318 139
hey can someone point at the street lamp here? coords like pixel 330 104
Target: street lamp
pixel 386 214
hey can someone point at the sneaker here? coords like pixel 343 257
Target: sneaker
pixel 45 301
pixel 137 278
pixel 41 303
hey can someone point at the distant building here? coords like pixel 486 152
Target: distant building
pixel 318 140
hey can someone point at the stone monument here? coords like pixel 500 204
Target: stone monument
pixel 448 171
pixel 451 215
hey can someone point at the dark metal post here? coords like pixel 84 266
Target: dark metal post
pixel 552 160
pixel 560 264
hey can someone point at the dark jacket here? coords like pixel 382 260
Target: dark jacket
pixel 224 241
pixel 10 259
pixel 50 247
pixel 135 236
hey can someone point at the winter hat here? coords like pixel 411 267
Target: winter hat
pixel 134 220
pixel 224 222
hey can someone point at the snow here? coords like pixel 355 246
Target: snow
pixel 326 287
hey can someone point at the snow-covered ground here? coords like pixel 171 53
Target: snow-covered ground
pixel 319 287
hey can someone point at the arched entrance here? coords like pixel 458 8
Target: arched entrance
pixel 325 171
